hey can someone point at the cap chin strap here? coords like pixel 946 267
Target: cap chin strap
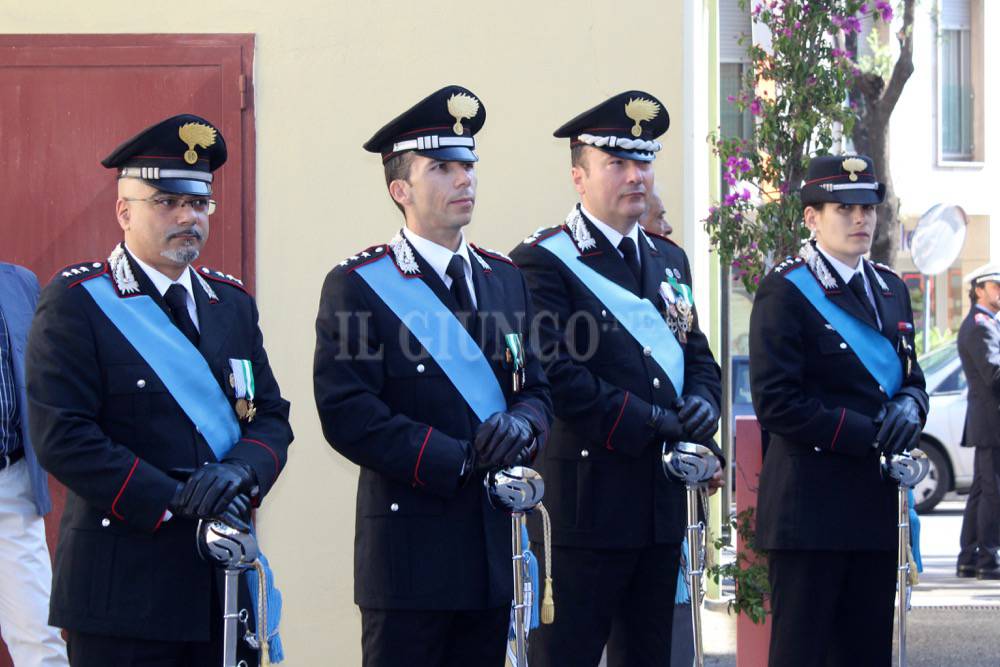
pixel 155 174
pixel 620 142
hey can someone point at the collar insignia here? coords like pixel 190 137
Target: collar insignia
pixel 121 271
pixel 816 264
pixel 205 286
pixel 402 252
pixel 578 228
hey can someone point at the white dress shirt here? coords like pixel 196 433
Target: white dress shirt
pixel 438 257
pixel 846 273
pixel 614 236
pixel 162 283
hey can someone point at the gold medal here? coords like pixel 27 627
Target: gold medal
pixel 245 409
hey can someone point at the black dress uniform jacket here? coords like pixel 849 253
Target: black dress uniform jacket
pixel 979 349
pixel 423 540
pixel 604 482
pixel 105 426
pixel 821 486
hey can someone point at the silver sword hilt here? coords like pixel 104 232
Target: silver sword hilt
pixel 907 469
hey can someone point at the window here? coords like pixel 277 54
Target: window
pixel 735 30
pixel 732 123
pixel 956 94
pixel 960 81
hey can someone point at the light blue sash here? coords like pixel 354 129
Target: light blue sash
pixel 186 375
pixel 872 348
pixel 639 316
pixel 173 358
pixel 440 333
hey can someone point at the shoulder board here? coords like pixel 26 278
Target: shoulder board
pixel 493 254
pixel 662 238
pixel 368 254
pixel 885 267
pixel 219 276
pixel 76 273
pixel 983 318
pixel 541 234
pixel 788 264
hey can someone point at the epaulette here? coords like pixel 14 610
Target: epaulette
pixel 662 238
pixel 363 257
pixel 984 319
pixel 80 271
pixel 787 264
pixel 541 234
pixel 219 276
pixel 493 254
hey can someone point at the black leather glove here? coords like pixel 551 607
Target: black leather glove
pixel 237 513
pixel 698 418
pixel 899 425
pixel 212 487
pixel 501 439
pixel 665 424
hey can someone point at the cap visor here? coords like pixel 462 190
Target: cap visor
pixel 451 154
pixel 638 156
pixel 181 186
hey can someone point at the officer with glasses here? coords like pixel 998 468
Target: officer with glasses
pixel 152 400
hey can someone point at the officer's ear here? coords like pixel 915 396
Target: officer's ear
pixel 122 214
pixel 400 192
pixel 810 216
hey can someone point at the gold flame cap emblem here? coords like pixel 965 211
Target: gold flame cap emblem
pixel 462 106
pixel 640 110
pixel 853 165
pixel 196 134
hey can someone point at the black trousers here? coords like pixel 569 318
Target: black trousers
pixel 831 608
pixel 980 537
pixel 418 638
pixel 620 597
pixel 94 650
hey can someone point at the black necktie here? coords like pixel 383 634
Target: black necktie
pixel 628 250
pixel 459 287
pixel 176 298
pixel 857 285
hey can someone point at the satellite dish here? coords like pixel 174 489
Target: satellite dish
pixel 938 238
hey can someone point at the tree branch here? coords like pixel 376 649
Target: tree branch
pixel 904 64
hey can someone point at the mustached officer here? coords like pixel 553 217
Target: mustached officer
pixel 630 370
pixel 835 384
pixel 140 370
pixel 411 384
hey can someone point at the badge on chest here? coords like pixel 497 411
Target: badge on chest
pixel 241 380
pixel 679 305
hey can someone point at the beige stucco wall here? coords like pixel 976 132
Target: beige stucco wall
pixel 327 75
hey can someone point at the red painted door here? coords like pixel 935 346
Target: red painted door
pixel 67 100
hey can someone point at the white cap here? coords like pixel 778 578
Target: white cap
pixel 985 272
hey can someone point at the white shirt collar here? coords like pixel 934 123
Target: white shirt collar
pixel 438 256
pixel 843 270
pixel 162 282
pixel 613 235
